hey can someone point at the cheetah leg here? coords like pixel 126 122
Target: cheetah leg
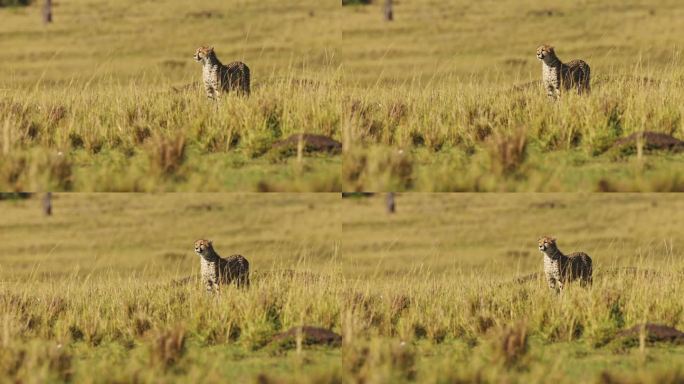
pixel 552 93
pixel 243 281
pixel 218 89
pixel 583 88
pixel 209 91
pixel 580 88
pixel 552 284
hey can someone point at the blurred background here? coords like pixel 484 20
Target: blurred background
pixel 495 235
pixel 98 39
pixel 107 96
pixel 495 40
pixel 152 235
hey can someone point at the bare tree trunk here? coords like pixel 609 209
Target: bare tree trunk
pixel 47 12
pixel 47 204
pixel 389 16
pixel 390 202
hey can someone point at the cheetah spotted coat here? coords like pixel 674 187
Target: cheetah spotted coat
pixel 219 78
pixel 216 270
pixel 558 76
pixel 560 268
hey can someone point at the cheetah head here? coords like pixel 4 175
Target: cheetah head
pixel 202 247
pixel 203 52
pixel 546 243
pixel 545 51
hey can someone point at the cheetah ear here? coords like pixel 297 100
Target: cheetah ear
pixel 553 240
pixel 210 243
pixel 211 49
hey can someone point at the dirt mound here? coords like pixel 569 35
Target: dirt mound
pixel 654 333
pixel 357 194
pixel 652 141
pixel 311 143
pixel 310 336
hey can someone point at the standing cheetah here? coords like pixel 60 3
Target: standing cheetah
pixel 219 78
pixel 560 268
pixel 558 76
pixel 216 270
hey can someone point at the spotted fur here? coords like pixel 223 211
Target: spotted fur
pixel 560 268
pixel 216 270
pixel 558 76
pixel 219 78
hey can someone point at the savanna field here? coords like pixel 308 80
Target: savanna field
pixel 99 291
pixel 108 97
pixel 447 288
pixel 447 97
pixel 450 289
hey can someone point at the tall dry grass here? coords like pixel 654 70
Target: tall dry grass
pixel 462 135
pixel 141 136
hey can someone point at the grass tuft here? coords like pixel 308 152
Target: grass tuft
pixel 167 154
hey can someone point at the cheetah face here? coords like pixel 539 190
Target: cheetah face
pixel 546 243
pixel 202 53
pixel 544 51
pixel 202 247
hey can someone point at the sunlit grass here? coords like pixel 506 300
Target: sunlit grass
pixel 434 285
pixel 98 291
pixel 447 97
pixel 123 109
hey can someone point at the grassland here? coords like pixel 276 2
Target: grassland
pixel 87 295
pixel 447 97
pixel 428 294
pixel 108 98
pixel 433 297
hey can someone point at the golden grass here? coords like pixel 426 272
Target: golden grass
pixel 433 292
pixel 449 83
pixel 107 286
pixel 97 292
pixel 117 103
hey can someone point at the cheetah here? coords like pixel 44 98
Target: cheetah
pixel 219 78
pixel 558 76
pixel 560 268
pixel 216 270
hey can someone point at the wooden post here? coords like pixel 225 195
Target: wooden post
pixel 47 204
pixel 47 12
pixel 390 202
pixel 389 16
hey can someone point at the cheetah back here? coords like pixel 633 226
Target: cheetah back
pixel 234 268
pixel 576 74
pixel 579 267
pixel 236 76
